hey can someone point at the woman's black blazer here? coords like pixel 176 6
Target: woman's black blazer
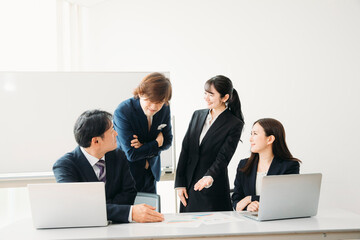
pixel 210 158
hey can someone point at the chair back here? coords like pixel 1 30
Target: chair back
pixel 151 199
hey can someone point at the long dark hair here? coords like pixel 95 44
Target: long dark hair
pixel 224 86
pixel 279 147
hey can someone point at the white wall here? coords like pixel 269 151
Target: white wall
pixel 27 43
pixel 297 61
pixel 28 35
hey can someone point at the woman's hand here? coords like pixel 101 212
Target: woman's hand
pixel 253 206
pixel 241 205
pixel 206 181
pixel 135 142
pixel 181 192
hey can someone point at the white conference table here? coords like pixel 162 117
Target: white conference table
pixel 14 180
pixel 335 224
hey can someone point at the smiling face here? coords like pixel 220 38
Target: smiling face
pixel 258 139
pixel 150 108
pixel 214 99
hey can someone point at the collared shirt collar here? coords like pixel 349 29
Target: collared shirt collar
pixel 208 122
pixel 209 117
pixel 92 160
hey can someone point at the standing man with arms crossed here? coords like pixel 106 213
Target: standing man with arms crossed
pixel 97 159
pixel 143 125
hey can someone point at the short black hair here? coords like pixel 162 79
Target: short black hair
pixel 91 123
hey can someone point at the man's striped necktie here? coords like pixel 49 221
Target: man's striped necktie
pixel 101 165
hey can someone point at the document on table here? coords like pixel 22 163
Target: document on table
pixel 195 220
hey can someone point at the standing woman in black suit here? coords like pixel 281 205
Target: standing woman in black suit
pixel 202 181
pixel 269 156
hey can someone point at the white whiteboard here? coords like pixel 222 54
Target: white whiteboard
pixel 39 110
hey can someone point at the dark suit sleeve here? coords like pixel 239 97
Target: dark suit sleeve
pixel 118 213
pixel 65 171
pixel 240 191
pixel 128 192
pixel 226 152
pixel 125 135
pixel 180 179
pixel 238 187
pixel 168 137
pixel 118 205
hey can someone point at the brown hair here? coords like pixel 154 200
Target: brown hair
pixel 279 147
pixel 156 87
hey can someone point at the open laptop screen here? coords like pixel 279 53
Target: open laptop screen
pixel 288 196
pixel 59 205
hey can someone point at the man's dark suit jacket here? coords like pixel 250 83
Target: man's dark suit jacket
pixel 129 120
pixel 210 158
pixel 119 188
pixel 245 184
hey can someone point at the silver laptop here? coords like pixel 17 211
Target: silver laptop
pixel 61 205
pixel 288 196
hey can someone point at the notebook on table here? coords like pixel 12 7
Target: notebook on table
pixel 288 196
pixel 62 205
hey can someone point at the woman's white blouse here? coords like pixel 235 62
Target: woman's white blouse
pixel 208 122
pixel 259 177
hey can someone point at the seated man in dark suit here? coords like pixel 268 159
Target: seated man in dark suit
pixel 97 159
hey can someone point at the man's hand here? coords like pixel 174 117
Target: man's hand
pixel 160 139
pixel 144 213
pixel 181 192
pixel 135 142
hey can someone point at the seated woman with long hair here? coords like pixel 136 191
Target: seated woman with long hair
pixel 269 156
